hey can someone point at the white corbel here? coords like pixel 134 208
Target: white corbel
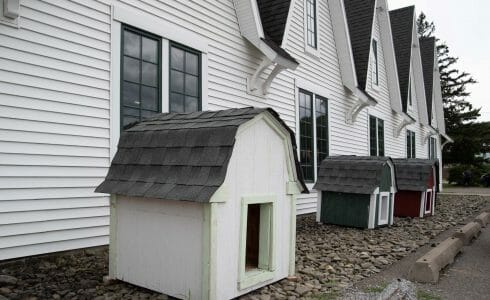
pixel 428 134
pixel 405 121
pixel 355 110
pixel 258 87
pixel 11 8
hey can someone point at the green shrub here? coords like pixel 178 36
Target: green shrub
pixel 456 174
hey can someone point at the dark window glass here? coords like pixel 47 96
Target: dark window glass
pixel 373 139
pixel 432 148
pixel 140 76
pixel 375 54
pixel 410 144
pixel 306 134
pixel 311 35
pixel 376 136
pixel 410 93
pixel 321 114
pixel 381 138
pixel 185 79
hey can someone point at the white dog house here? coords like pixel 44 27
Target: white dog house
pixel 203 204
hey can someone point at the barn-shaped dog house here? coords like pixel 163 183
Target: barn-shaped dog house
pixel 417 184
pixel 203 204
pixel 356 191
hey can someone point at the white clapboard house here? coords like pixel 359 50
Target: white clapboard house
pixel 74 73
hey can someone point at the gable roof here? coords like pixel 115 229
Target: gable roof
pixel 351 174
pixel 360 17
pixel 274 15
pixel 413 174
pixel 180 156
pixel 402 26
pixel 427 51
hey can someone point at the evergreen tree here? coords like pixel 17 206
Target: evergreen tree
pixel 470 138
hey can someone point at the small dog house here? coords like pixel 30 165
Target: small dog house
pixel 417 187
pixel 356 191
pixel 203 204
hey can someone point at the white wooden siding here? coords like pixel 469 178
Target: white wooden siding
pixel 54 127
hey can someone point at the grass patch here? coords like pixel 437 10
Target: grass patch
pixel 423 295
pixel 376 288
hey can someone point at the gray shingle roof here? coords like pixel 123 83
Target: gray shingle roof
pixel 427 47
pixel 360 16
pixel 401 26
pixel 274 15
pixel 179 156
pixel 351 174
pixel 413 174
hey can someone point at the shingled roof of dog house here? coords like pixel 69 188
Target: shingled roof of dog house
pixel 350 184
pixel 417 185
pixel 169 175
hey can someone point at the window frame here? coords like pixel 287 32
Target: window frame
pixel 375 62
pixel 315 163
pixel 199 76
pixel 313 51
pixel 428 200
pixel 432 145
pixel 378 141
pixel 143 33
pixel 411 146
pixel 381 195
pixel 313 30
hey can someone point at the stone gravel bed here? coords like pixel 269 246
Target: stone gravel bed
pixel 328 259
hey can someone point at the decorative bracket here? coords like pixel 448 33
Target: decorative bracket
pixel 11 8
pixel 430 133
pixel 259 87
pixel 355 110
pixel 402 125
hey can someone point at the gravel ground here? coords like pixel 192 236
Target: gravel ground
pixel 328 259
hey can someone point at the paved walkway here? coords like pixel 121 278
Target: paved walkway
pixel 467 190
pixel 469 276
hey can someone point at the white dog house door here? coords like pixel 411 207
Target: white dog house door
pixel 384 206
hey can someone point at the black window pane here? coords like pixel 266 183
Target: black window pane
pixel 177 58
pixel 150 50
pixel 127 120
pixel 129 111
pixel 132 44
pixel 131 94
pixel 191 104
pixel 413 145
pixel 306 136
pixel 149 75
pixel 409 147
pixel 176 102
pixel 131 69
pixel 176 81
pixel 191 63
pixel 321 114
pixel 373 141
pixel 149 98
pixel 191 85
pixel 147 113
pixel 381 139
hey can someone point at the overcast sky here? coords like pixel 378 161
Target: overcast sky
pixel 464 25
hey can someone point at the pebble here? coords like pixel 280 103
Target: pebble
pixel 329 259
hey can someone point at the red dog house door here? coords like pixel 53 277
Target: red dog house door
pixel 428 202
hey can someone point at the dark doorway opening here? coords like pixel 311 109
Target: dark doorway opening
pixel 253 235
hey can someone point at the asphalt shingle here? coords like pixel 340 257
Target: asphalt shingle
pixel 180 156
pixel 413 174
pixel 427 51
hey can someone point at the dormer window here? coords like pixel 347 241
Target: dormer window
pixel 410 93
pixel 311 32
pixel 375 78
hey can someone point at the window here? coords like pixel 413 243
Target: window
pixel 432 148
pixel 311 144
pixel 375 71
pixel 185 79
pixel 376 137
pixel 409 93
pixel 384 208
pixel 140 78
pixel 428 202
pixel 256 240
pixel 410 144
pixel 311 35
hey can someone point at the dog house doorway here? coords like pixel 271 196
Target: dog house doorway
pixel 384 207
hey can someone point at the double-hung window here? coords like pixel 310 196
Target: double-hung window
pixel 142 71
pixel 140 78
pixel 311 26
pixel 376 136
pixel 313 132
pixel 410 144
pixel 375 71
pixel 432 148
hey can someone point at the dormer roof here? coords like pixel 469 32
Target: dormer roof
pixel 274 15
pixel 402 26
pixel 360 17
pixel 427 50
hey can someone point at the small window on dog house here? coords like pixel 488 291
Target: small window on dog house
pixel 428 201
pixel 182 179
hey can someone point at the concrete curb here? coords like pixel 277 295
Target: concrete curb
pixel 427 268
pixel 468 232
pixel 483 219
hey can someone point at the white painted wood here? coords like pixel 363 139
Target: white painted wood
pixel 155 236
